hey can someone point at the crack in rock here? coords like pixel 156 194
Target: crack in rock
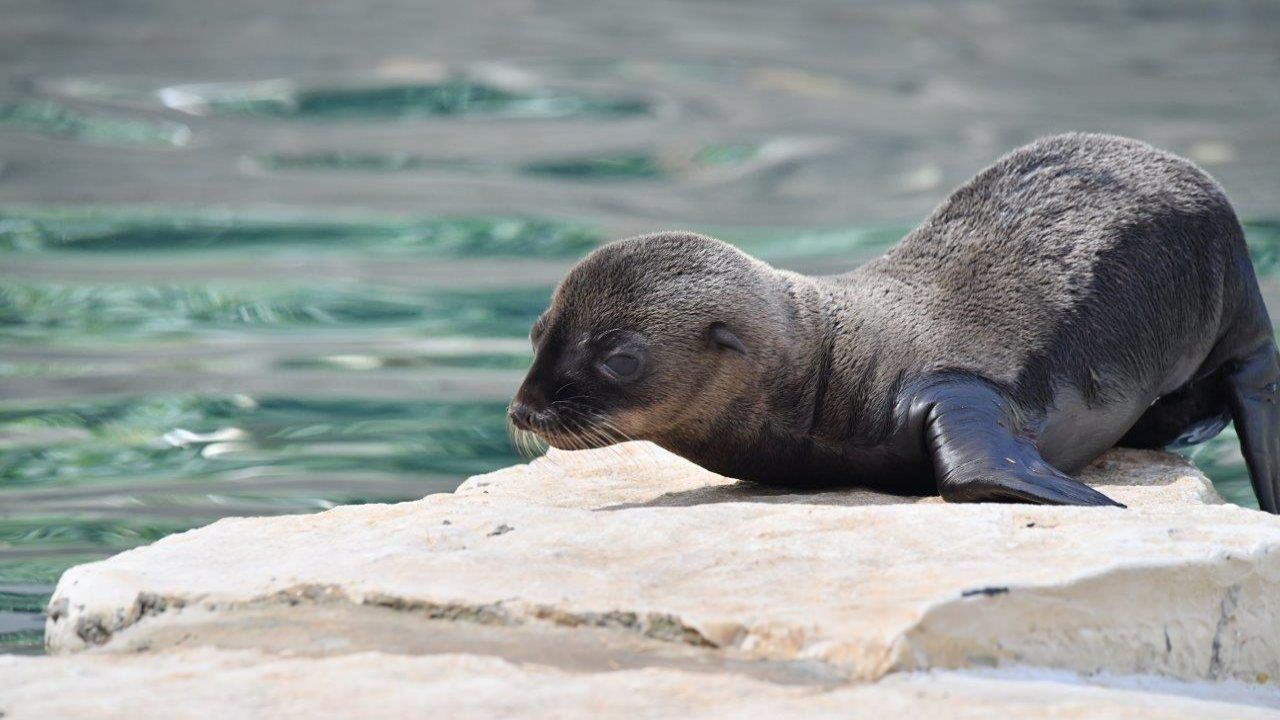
pixel 1226 621
pixel 97 629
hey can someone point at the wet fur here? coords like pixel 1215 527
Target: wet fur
pixel 1081 278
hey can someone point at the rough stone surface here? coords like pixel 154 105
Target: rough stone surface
pixel 644 475
pixel 635 540
pixel 212 683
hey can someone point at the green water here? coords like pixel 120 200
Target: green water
pixel 55 120
pixel 615 166
pixel 447 98
pixel 114 230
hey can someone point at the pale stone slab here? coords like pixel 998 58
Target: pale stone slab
pixel 1169 586
pixel 209 683
pixel 641 473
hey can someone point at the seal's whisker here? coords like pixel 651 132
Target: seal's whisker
pixel 646 449
pixel 530 450
pixel 516 436
pixel 580 442
pixel 588 432
pixel 539 447
pixel 612 437
pixel 569 401
pixel 575 431
pixel 606 441
pixel 526 444
pixel 562 387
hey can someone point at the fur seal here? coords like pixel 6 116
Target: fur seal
pixel 1084 291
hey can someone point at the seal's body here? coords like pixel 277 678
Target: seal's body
pixel 1082 292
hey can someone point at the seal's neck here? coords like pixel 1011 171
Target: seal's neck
pixel 775 401
pixel 823 378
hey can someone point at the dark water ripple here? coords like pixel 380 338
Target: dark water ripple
pixel 116 230
pixel 632 165
pixel 446 98
pixel 35 312
pixel 55 120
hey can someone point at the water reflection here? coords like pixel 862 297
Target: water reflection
pixel 55 120
pixel 50 311
pixel 126 230
pixel 663 163
pixel 449 97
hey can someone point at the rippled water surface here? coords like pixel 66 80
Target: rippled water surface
pixel 251 266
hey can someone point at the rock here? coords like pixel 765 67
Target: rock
pixel 214 683
pixel 642 474
pixel 638 541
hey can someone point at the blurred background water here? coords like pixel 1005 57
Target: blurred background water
pixel 273 257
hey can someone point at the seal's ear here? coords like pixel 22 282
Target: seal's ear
pixel 721 335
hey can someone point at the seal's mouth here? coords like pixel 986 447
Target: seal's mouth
pixel 529 419
pixel 563 428
pixel 572 441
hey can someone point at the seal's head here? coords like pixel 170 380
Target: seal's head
pixel 648 338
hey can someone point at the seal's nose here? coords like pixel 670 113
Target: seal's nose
pixel 521 415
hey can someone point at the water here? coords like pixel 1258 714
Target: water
pixel 249 266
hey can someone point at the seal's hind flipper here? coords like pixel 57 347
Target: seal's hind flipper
pixel 1189 415
pixel 977 456
pixel 1254 397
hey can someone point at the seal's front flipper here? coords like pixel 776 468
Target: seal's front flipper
pixel 969 433
pixel 1255 406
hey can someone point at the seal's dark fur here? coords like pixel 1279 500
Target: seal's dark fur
pixel 1085 289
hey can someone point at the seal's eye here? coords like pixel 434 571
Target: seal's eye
pixel 622 364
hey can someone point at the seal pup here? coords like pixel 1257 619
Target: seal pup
pixel 1082 292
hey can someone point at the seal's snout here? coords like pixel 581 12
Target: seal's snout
pixel 529 405
pixel 526 416
pixel 522 416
